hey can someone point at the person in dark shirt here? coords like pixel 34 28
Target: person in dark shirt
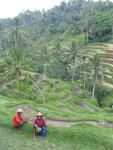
pixel 39 125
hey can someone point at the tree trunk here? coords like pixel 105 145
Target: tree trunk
pixel 87 38
pixel 44 72
pixel 99 103
pixel 73 75
pixel 93 90
pixel 18 84
pixel 84 82
pixel 59 76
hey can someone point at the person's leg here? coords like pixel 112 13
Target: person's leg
pixel 18 126
pixel 43 131
pixel 35 131
pixel 39 129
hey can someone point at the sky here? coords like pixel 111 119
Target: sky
pixel 11 8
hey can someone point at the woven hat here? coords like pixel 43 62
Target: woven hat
pixel 19 110
pixel 39 114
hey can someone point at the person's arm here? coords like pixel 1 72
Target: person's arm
pixel 44 122
pixel 24 119
pixel 19 119
pixel 35 123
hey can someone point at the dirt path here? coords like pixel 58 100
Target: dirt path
pixel 67 123
pixel 29 114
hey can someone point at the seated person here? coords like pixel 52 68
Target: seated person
pixel 39 125
pixel 18 121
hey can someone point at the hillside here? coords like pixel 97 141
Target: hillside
pixel 69 118
pixel 58 62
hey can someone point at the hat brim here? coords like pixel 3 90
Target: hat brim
pixel 19 111
pixel 38 115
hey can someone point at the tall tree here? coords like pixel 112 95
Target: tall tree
pixel 97 73
pixel 73 54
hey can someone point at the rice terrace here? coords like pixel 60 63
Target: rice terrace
pixel 56 75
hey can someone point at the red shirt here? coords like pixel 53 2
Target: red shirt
pixel 39 122
pixel 16 119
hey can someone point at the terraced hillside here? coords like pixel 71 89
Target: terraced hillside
pixel 105 51
pixel 72 123
pixel 48 65
pixel 107 59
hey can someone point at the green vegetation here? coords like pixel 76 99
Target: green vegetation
pixel 78 137
pixel 58 62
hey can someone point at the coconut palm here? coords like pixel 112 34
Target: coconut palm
pixel 96 73
pixel 17 54
pixel 73 55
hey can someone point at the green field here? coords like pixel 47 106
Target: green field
pixel 83 137
pixel 79 136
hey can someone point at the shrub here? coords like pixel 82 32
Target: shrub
pixel 101 92
pixel 108 109
pixel 85 94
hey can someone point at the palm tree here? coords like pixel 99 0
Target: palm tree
pixel 44 60
pixel 73 54
pixel 44 56
pixel 97 73
pixel 16 53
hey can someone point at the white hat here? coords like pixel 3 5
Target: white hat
pixel 19 110
pixel 39 114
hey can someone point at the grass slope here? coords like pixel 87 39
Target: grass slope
pixel 60 103
pixel 82 137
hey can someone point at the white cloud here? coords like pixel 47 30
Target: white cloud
pixel 11 8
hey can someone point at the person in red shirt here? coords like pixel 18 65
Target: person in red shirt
pixel 39 125
pixel 18 121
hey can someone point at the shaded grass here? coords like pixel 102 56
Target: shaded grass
pixel 83 137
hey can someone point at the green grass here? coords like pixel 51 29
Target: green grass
pixel 82 137
pixel 60 101
pixel 56 108
pixel 60 104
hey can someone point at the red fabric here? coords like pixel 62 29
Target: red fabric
pixel 17 119
pixel 39 122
